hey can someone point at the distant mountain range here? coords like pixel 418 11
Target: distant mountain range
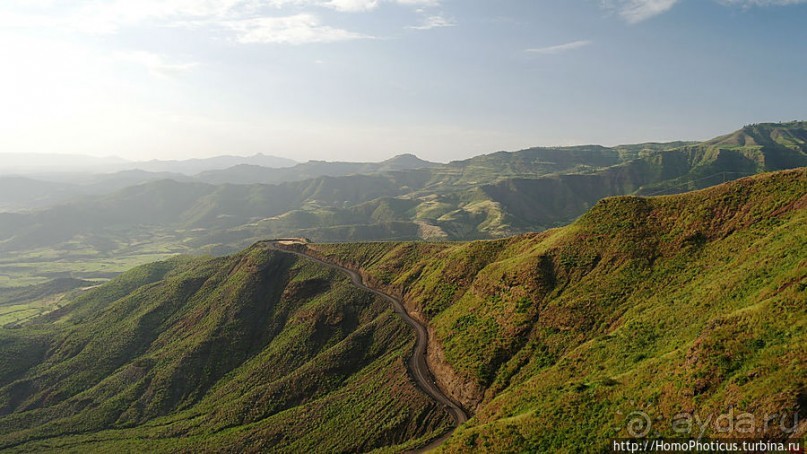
pixel 43 190
pixel 61 166
pixel 35 163
pixel 488 196
pixel 195 166
pixel 256 174
pixel 22 193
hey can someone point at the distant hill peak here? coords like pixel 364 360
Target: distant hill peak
pixel 792 135
pixel 403 156
pixel 407 160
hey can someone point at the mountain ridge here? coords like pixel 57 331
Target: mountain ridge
pixel 197 346
pixel 254 174
pixel 551 337
pixel 490 196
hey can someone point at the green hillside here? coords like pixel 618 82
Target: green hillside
pixel 19 305
pixel 489 196
pixel 245 352
pixel 691 303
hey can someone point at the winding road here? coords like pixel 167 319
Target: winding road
pixel 418 366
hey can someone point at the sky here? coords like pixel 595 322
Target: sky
pixel 364 80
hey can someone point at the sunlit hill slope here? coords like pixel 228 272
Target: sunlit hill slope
pixel 687 303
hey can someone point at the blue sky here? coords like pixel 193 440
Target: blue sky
pixel 368 79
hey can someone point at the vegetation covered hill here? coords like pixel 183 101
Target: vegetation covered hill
pixel 19 305
pixel 688 304
pixel 241 353
pixel 489 196
pixel 256 174
pixel 694 304
pixel 20 193
pixel 26 193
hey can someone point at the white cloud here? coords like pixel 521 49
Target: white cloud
pixel 250 21
pixel 419 2
pixel 352 5
pixel 635 11
pixel 111 16
pixel 126 12
pixel 559 49
pixel 430 22
pixel 297 29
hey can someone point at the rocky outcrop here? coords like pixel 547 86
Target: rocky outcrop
pixel 468 393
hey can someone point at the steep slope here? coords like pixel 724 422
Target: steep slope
pixel 535 162
pixel 651 169
pixel 753 149
pixel 246 352
pixel 694 303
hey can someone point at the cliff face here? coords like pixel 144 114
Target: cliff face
pixel 467 392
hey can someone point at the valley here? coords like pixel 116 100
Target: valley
pixel 661 305
pixel 403 226
pixel 418 366
pixel 490 196
pixel 275 341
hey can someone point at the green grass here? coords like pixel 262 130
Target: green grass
pixel 247 352
pixel 489 196
pixel 20 313
pixel 43 265
pixel 690 303
pixel 19 305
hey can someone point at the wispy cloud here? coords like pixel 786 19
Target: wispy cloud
pixel 559 49
pixel 248 21
pixel 634 11
pixel 351 6
pixel 418 2
pixel 430 22
pixel 111 16
pixel 297 29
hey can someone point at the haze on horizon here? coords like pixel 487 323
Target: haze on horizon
pixel 363 80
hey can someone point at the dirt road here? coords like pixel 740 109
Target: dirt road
pixel 418 366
